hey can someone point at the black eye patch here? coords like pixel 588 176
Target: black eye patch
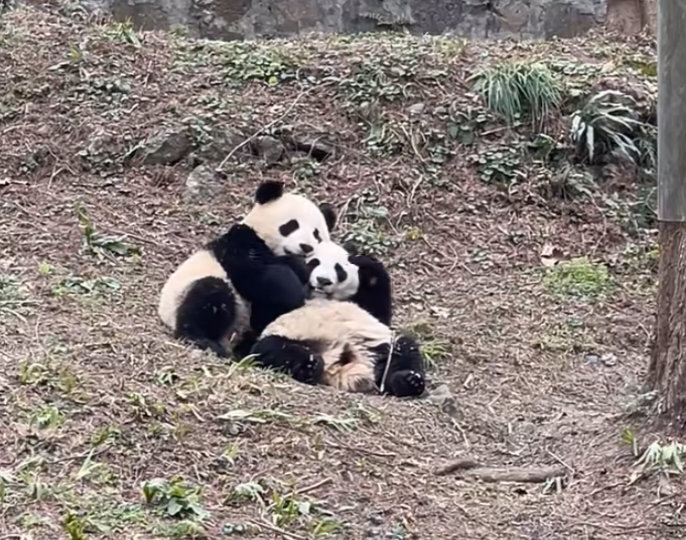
pixel 317 236
pixel 341 274
pixel 289 227
pixel 313 263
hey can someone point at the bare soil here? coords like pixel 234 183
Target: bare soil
pixel 96 398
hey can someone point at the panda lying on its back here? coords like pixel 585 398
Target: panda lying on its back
pixel 247 277
pixel 342 337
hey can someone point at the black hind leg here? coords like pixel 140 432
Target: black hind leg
pixel 207 314
pixel 296 358
pixel 405 376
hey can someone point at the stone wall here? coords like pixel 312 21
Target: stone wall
pixel 236 19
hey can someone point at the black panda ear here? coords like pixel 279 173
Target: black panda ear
pixel 329 215
pixel 268 191
pixel 351 247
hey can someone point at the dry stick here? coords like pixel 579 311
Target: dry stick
pixel 463 463
pixel 312 487
pixel 475 470
pixel 276 529
pixel 270 124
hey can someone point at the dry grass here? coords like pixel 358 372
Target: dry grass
pixel 96 399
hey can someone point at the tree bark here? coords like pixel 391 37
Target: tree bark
pixel 667 369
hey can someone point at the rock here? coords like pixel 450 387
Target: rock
pixel 222 143
pixel 236 19
pixel 443 397
pixel 609 359
pixel 417 108
pixel 316 147
pixel 269 148
pixel 168 147
pixel 201 183
pixel 592 359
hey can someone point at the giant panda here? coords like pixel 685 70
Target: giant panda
pixel 225 294
pixel 341 337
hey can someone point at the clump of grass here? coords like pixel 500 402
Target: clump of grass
pixel 578 277
pixel 607 123
pixel 666 458
pixel 519 90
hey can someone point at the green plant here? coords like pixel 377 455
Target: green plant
pixel 607 122
pixel 518 90
pixel 48 416
pixel 74 526
pixel 98 243
pixel 339 424
pixel 123 32
pixel 667 458
pixel 14 296
pixel 177 498
pixel 500 164
pixel 578 277
pixel 86 287
pixel 253 61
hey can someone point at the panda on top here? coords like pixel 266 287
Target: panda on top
pixel 341 337
pixel 225 294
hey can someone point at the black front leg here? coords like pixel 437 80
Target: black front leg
pixel 405 375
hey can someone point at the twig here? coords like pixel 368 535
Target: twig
pixel 270 124
pixel 514 474
pixel 388 363
pixel 560 460
pixel 276 529
pixel 317 485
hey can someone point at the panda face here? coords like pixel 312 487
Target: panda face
pixel 290 224
pixel 332 275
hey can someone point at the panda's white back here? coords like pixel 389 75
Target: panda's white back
pixel 339 327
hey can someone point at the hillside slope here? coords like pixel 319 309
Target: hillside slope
pixel 109 142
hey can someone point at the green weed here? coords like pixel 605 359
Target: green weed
pixel 177 498
pixel 578 278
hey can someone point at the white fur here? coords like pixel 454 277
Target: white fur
pixel 329 254
pixel 336 325
pixel 199 265
pixel 266 219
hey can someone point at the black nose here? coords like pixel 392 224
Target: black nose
pixel 322 281
pixel 307 248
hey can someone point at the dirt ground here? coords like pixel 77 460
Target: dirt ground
pixel 96 399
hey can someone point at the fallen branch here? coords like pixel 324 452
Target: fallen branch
pixel 515 474
pixel 473 470
pixel 457 465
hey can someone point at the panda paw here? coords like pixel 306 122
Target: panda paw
pixel 415 380
pixel 407 383
pixel 309 370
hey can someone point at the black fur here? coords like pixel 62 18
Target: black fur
pixel 289 227
pixel 280 291
pixel 268 191
pixel 299 359
pixel 206 314
pixel 273 286
pixel 374 292
pixel 405 375
pixel 329 215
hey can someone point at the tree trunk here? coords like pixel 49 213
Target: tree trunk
pixel 667 370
